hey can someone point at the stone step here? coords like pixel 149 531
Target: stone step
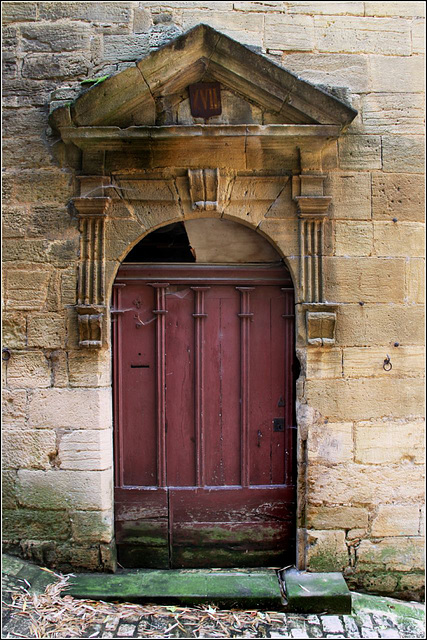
pixel 227 588
pixel 315 592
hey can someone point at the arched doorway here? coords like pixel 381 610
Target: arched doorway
pixel 204 400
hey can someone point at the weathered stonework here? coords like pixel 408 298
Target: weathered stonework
pixel 340 199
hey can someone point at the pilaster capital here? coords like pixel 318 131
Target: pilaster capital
pixel 313 207
pixel 96 207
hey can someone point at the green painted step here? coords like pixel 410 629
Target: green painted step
pixel 315 592
pixel 224 587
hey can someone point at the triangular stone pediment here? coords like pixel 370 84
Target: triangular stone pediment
pixel 155 90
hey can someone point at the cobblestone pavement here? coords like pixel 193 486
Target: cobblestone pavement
pixel 50 614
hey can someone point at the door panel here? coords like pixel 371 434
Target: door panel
pixel 203 400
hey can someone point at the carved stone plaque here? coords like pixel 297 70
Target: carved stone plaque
pixel 205 99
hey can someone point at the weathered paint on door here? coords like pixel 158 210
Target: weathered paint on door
pixel 203 392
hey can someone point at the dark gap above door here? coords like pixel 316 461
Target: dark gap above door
pixel 167 244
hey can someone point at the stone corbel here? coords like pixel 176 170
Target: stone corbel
pixel 204 189
pixel 320 324
pixel 90 307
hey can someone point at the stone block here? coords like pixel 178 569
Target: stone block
pixel 42 186
pixel 398 195
pixel 389 442
pixel 245 27
pixel 14 221
pixel 392 554
pixel 396 520
pixel 403 9
pixel 367 362
pixel 392 113
pixel 323 363
pixel 57 37
pixel 418 36
pixel 26 153
pixel 89 368
pixel 142 20
pixel 35 525
pixel 40 66
pixel 327 8
pixel 28 370
pixel 26 289
pixel 339 517
pixel 285 234
pixel 86 450
pixel 403 154
pixel 365 398
pixel 30 250
pixel 353 238
pixel 8 490
pixel 23 449
pixel 111 12
pixel 359 152
pixel 92 526
pixel 57 489
pixel 131 47
pixel 264 7
pixel 330 69
pixel 71 408
pixel 414 583
pixel 380 324
pixel 415 281
pixel 393 73
pixel 289 32
pixel 326 551
pixel 406 239
pixel 69 286
pixel 364 279
pixel 14 408
pixel 59 368
pixel 46 330
pixel 330 443
pixel 351 195
pixel 18 12
pixel 348 34
pixel 360 485
pixel 14 327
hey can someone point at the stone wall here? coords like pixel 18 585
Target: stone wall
pixel 361 445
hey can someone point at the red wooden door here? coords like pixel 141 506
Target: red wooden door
pixel 203 394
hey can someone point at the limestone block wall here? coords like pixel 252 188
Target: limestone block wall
pixel 361 442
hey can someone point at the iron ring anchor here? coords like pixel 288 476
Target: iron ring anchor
pixel 387 366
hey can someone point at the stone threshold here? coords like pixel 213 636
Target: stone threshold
pixel 264 587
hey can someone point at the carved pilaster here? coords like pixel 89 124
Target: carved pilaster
pixel 204 188
pixel 90 307
pixel 313 210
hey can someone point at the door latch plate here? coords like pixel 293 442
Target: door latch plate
pixel 279 424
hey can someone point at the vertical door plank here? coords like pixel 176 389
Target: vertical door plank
pixel 222 381
pixel 138 393
pixel 180 435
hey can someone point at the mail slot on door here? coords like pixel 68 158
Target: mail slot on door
pixel 279 424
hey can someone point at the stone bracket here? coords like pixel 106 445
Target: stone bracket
pixel 90 319
pixel 92 212
pixel 204 189
pixel 320 322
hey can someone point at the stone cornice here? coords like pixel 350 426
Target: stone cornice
pixel 115 138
